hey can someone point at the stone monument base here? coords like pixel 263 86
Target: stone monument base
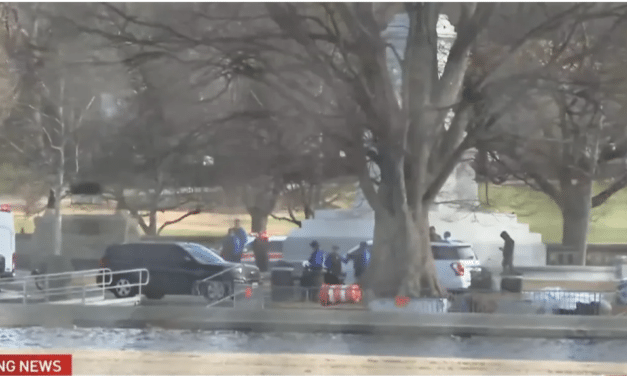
pixel 85 238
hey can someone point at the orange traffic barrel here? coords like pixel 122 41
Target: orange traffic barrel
pixel 338 294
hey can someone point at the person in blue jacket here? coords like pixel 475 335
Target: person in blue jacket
pixel 229 246
pixel 238 247
pixel 312 274
pixel 240 233
pixel 316 260
pixel 360 258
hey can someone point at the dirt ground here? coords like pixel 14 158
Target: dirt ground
pixel 117 362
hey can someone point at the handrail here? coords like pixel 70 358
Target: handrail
pixel 96 286
pixel 217 274
pixel 195 287
pixel 232 295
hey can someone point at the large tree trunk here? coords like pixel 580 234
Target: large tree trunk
pixel 576 208
pixel 259 220
pixel 58 219
pixel 260 201
pixel 58 194
pixel 402 263
pixel 151 229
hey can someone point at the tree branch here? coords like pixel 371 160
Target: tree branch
pixel 616 186
pixel 189 213
pixel 291 220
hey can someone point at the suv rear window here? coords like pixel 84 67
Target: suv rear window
pixel 453 253
pixel 202 254
pixel 144 251
pixel 118 252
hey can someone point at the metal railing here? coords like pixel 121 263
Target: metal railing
pixel 59 287
pixel 565 302
pixel 229 286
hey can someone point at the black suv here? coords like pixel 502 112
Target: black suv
pixel 174 269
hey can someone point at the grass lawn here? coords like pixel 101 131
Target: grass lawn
pixel 608 223
pixel 205 224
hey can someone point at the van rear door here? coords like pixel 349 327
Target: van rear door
pixel 7 248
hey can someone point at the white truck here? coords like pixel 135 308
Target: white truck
pixel 7 242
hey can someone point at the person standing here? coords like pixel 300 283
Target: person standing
pixel 240 233
pixel 228 246
pixel 312 275
pixel 238 247
pixel 433 236
pixel 333 266
pixel 508 253
pixel 448 238
pixel 317 257
pixel 360 259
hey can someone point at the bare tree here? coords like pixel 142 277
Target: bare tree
pixel 574 128
pixel 414 139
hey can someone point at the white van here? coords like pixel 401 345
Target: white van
pixel 454 263
pixel 7 242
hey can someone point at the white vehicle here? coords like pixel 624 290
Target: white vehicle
pixel 7 242
pixel 454 263
pixel 275 252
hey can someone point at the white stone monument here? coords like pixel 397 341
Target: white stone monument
pixel 347 227
pixel 85 236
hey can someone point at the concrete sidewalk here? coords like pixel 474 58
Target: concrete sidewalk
pixel 292 320
pixel 129 362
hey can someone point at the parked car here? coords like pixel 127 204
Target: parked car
pixel 454 262
pixel 174 269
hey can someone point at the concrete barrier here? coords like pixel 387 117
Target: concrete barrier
pixel 292 320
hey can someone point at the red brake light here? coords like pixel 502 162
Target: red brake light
pixel 5 208
pixel 458 269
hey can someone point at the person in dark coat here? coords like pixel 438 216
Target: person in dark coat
pixel 433 236
pixel 228 246
pixel 360 258
pixel 333 266
pixel 508 253
pixel 261 246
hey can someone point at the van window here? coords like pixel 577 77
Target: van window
pixel 453 253
pixel 276 246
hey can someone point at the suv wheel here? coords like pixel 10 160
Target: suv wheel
pixel 123 287
pixel 214 290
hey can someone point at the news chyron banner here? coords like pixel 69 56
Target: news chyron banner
pixel 36 364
